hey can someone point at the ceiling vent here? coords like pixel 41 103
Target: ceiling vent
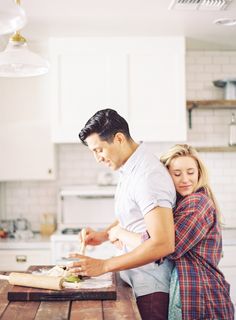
pixel 215 5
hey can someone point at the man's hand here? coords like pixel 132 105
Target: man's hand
pixel 86 266
pixel 95 238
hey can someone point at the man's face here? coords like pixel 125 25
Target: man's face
pixel 110 154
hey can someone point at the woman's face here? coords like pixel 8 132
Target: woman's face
pixel 184 172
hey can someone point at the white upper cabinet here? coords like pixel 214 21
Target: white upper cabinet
pixel 26 150
pixel 142 78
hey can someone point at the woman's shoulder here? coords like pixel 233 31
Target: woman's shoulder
pixel 196 199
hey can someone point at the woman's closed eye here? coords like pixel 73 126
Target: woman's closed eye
pixel 177 174
pixel 191 172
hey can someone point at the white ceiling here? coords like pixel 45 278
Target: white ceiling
pixel 127 18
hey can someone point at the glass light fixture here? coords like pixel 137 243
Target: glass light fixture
pixel 12 16
pixel 18 61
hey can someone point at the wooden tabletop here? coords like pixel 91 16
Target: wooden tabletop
pixel 123 308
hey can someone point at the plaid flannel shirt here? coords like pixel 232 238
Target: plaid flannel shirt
pixel 198 249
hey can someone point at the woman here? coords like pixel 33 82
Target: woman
pixel 198 288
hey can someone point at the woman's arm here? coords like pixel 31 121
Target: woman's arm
pixel 193 220
pixel 95 238
pixel 131 239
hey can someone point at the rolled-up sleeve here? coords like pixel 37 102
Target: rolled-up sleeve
pixel 155 189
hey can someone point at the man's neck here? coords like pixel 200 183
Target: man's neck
pixel 131 148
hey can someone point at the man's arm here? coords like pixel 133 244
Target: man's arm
pixel 160 226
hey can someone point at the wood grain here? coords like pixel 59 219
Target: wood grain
pixel 53 310
pixel 3 294
pixel 211 104
pixel 122 308
pixel 19 293
pixel 125 303
pixel 82 310
pixel 20 311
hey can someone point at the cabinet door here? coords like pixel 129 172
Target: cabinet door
pixel 84 82
pixel 26 150
pixel 142 78
pixel 156 95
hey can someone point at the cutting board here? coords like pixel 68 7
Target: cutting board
pixel 18 293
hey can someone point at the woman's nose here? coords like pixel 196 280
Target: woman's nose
pixel 184 178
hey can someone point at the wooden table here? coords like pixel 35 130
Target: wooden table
pixel 122 308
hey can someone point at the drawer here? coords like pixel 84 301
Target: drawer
pixel 20 260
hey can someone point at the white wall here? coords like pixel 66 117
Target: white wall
pixel 209 127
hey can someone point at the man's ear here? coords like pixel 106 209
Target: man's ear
pixel 119 137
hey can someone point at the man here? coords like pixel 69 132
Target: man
pixel 144 199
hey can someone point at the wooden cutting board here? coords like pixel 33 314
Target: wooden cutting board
pixel 18 293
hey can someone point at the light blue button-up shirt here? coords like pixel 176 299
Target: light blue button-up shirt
pixel 143 185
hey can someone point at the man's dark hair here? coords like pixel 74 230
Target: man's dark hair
pixel 106 123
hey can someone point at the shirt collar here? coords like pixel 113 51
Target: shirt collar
pixel 179 197
pixel 130 164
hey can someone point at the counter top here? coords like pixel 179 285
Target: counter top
pixel 37 242
pixel 122 308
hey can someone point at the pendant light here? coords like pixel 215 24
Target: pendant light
pixel 12 16
pixel 17 61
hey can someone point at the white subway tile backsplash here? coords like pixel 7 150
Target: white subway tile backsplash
pixel 195 85
pixel 220 60
pixel 76 164
pixel 229 70
pixel 195 68
pixel 213 68
pixel 204 60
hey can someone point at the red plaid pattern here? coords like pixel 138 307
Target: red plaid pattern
pixel 198 248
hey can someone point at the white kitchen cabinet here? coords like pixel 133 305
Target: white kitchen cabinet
pixel 22 259
pixel 142 78
pixel 26 150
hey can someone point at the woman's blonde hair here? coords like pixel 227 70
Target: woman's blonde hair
pixel 184 150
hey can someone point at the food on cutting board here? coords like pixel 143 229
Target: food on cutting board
pixel 61 271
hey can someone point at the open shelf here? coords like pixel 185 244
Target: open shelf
pixel 211 104
pixel 208 104
pixel 216 149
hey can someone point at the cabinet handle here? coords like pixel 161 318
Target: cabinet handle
pixel 21 259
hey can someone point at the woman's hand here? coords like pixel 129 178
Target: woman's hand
pixel 113 233
pixel 95 238
pixel 118 244
pixel 120 237
pixel 86 266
